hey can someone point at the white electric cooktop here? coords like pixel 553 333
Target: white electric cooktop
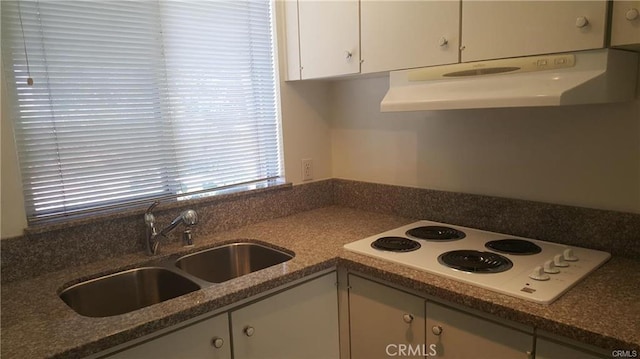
pixel 531 269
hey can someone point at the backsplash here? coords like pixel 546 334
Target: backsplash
pixel 38 252
pixel 615 232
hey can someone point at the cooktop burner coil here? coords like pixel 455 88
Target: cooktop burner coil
pixel 395 244
pixel 475 261
pixel 514 246
pixel 437 233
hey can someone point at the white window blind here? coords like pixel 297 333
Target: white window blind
pixel 136 100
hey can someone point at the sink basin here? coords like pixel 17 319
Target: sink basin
pixel 230 261
pixel 133 289
pixel 126 291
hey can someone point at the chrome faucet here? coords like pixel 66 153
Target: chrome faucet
pixel 188 217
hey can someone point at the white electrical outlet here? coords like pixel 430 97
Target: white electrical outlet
pixel 307 169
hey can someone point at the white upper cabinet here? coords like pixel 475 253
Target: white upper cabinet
pixel 625 23
pixel 329 38
pixel 287 26
pixel 500 29
pixel 401 34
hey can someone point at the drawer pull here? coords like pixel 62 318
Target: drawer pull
pixel 217 342
pixel 437 330
pixel 249 330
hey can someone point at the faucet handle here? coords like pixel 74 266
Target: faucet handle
pixel 149 218
pixel 190 217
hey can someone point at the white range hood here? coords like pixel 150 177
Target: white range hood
pixel 596 76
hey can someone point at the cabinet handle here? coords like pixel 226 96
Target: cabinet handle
pixel 407 318
pixel 217 342
pixel 581 22
pixel 443 42
pixel 529 354
pixel 632 14
pixel 436 330
pixel 249 330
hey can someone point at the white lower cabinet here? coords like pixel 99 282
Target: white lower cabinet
pixel 555 349
pixel 205 339
pixel 457 334
pixel 384 322
pixel 299 322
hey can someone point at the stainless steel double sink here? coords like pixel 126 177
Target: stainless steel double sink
pixel 132 289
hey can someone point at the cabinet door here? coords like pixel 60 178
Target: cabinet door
pixel 384 322
pixel 625 23
pixel 301 322
pixel 329 38
pixel 287 21
pixel 499 29
pixel 401 34
pixel 547 349
pixel 460 335
pixel 206 339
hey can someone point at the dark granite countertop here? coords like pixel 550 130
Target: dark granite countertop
pixel 602 310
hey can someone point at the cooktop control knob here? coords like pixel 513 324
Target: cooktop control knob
pixel 539 274
pixel 568 255
pixel 549 267
pixel 559 261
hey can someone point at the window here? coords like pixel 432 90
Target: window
pixel 139 100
